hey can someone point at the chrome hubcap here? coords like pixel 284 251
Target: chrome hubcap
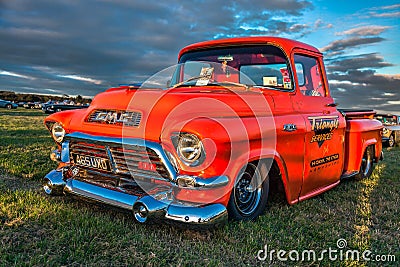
pixel 247 194
pixel 366 162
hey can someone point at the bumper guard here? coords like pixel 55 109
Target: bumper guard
pixel 144 208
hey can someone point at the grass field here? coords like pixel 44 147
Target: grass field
pixel 36 230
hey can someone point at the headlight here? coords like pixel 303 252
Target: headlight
pixel 190 149
pixel 58 132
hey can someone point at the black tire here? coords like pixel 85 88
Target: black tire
pixel 391 142
pixel 8 106
pixel 245 202
pixel 367 164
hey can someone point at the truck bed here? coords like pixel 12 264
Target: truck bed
pixel 351 114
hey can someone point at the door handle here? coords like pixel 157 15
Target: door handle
pixel 289 127
pixel 332 104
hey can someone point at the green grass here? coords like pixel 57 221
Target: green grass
pixel 36 230
pixel 25 143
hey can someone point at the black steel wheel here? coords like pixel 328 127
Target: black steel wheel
pixel 367 164
pixel 249 195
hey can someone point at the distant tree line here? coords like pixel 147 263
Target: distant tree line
pixel 17 97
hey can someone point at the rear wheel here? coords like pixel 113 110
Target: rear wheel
pixel 249 195
pixel 367 164
pixel 8 106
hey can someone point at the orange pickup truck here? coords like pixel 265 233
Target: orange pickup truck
pixel 210 138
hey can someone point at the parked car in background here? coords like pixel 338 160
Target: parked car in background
pixel 33 105
pixel 54 106
pixel 7 104
pixel 391 130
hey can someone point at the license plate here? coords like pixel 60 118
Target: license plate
pixel 92 162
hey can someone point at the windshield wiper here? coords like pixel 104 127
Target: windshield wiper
pixel 188 80
pixel 232 83
pixel 212 83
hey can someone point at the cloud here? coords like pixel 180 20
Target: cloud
pixel 386 7
pixel 13 74
pixel 371 61
pixel 79 78
pixel 339 46
pixel 382 12
pixel 385 15
pixel 123 41
pixel 365 30
pixel 375 89
pixel 371 93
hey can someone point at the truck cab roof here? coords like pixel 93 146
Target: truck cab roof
pixel 286 44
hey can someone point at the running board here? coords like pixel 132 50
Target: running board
pixel 348 175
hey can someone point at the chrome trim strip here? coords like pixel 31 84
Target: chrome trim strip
pixel 210 214
pixel 156 147
pixel 139 176
pixel 65 151
pixel 111 159
pixel 100 194
pixel 198 182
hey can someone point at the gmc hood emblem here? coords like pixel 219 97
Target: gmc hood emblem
pixel 119 117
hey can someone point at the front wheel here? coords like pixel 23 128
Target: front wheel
pixel 249 195
pixel 367 164
pixel 8 106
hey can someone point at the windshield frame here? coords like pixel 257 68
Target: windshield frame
pixel 266 48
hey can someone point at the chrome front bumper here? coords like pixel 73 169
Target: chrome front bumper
pixel 145 208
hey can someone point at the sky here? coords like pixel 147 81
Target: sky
pixel 84 47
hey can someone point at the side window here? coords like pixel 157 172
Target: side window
pixel 269 75
pixel 309 76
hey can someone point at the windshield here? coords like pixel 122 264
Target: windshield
pixel 261 65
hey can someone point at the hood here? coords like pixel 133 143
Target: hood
pixel 155 110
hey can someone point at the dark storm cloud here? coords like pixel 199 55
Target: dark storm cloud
pixel 354 76
pixel 369 79
pixel 339 46
pixel 72 45
pixel 369 89
pixel 372 61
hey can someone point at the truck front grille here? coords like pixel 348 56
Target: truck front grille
pixel 115 164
